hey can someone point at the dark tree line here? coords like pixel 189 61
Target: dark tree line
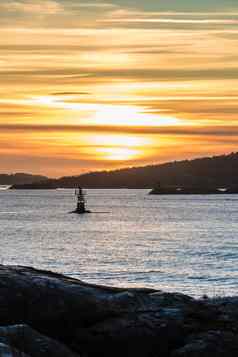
pixel 211 171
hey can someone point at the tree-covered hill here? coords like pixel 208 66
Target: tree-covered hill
pixel 210 171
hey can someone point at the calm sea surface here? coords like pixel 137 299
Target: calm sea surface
pixel 175 243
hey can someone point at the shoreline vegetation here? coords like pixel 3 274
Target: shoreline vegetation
pixel 204 175
pixel 48 314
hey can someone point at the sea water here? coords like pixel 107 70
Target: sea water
pixel 184 243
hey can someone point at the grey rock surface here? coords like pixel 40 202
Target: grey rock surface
pixel 64 317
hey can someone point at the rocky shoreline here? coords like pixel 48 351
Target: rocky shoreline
pixel 47 314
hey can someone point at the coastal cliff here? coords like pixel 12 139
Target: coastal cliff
pixel 47 314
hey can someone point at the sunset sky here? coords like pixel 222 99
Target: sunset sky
pixel 91 85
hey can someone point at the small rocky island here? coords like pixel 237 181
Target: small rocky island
pixel 47 314
pixel 192 190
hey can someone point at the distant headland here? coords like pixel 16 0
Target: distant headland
pixel 20 179
pixel 208 175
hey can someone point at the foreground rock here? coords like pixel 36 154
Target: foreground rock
pixel 47 314
pixel 22 339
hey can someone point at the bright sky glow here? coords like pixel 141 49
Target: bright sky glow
pixel 91 85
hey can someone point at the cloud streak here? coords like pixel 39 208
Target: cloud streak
pixel 78 73
pixel 29 7
pixel 216 131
